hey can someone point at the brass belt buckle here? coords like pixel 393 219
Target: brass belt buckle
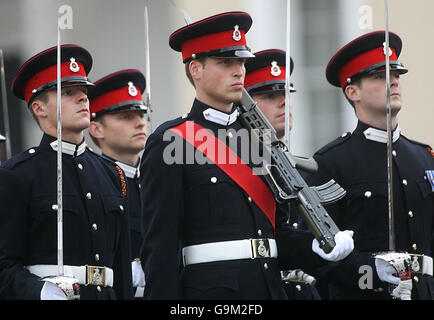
pixel 95 275
pixel 260 248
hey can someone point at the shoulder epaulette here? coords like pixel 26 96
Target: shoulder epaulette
pixel 338 141
pixel 430 150
pixel 170 124
pixel 423 145
pixel 20 158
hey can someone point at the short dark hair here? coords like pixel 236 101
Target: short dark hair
pixel 202 60
pixel 41 96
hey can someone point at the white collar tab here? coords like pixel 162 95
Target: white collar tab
pixel 381 135
pixel 70 148
pixel 219 117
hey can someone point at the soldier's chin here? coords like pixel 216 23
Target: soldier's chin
pixel 396 107
pixel 237 95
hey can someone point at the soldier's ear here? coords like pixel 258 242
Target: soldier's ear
pixel 352 92
pixel 39 108
pixel 96 129
pixel 195 68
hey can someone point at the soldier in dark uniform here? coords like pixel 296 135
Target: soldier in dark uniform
pixel 119 128
pixel 95 224
pixel 357 161
pixel 209 221
pixel 265 82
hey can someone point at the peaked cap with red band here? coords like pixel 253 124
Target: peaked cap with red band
pixel 221 35
pixel 363 56
pixel 266 72
pixel 39 73
pixel 118 92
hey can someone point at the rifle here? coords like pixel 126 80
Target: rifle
pixel 284 179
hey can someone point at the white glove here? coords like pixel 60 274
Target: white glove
pixel 344 246
pixel 403 290
pixel 138 274
pixel 386 272
pixel 52 292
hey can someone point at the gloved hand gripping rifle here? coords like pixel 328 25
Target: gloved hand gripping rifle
pixel 284 179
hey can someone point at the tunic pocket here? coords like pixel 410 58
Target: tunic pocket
pixel 113 209
pixel 44 222
pixel 212 198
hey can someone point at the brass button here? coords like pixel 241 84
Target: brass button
pixel 214 180
pixel 121 207
pixel 55 207
pixel 98 288
pixel 404 182
pixel 97 257
pixel 295 225
pixel 410 214
pixel 394 153
pixel 265 266
pixel 95 227
pixel 259 232
pixel 414 246
pixel 80 166
pixel 416 279
pixel 89 195
pixel 250 199
pixel 368 194
pixel 298 287
pixel 32 151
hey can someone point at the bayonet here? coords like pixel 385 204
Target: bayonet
pixel 187 18
pixel 287 137
pixel 389 135
pixel 68 284
pixel 148 72
pixel 59 163
pixel 5 107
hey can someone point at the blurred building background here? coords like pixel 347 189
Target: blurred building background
pixel 113 32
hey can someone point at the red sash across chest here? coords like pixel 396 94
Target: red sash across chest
pixel 237 170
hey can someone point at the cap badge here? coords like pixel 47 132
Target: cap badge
pixel 132 91
pixel 275 69
pixel 384 49
pixel 73 65
pixel 236 35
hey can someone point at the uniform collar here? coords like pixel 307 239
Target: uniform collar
pixel 67 147
pixel 130 171
pixel 375 134
pixel 213 115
